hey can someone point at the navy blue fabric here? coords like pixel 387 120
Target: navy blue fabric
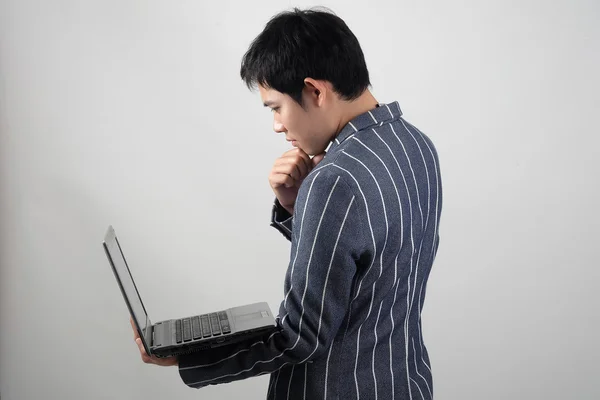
pixel 364 236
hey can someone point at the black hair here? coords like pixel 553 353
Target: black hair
pixel 298 44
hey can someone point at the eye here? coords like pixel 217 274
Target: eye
pixel 276 109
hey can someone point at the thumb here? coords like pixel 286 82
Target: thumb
pixel 317 159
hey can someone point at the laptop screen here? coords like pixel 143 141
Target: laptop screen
pixel 125 279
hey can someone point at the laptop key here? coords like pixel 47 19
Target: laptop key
pixel 187 330
pixel 178 331
pixel 225 326
pixel 197 332
pixel 214 324
pixel 205 326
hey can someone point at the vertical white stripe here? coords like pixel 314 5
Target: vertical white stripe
pixel 270 388
pixel 417 368
pixel 437 184
pixel 408 296
pixel 353 127
pixel 358 340
pixel 374 348
pixel 419 328
pixel 426 172
pixel 392 332
pixel 406 319
pixel 290 382
pixel 327 370
pixel 414 176
pixel 271 383
pixel 299 241
pixel 275 385
pixel 417 385
pixel 342 345
pixel 423 225
pixel 426 218
pixel 305 378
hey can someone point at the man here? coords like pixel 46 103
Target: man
pixel 359 197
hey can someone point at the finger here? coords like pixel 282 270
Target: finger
pixel 302 159
pixel 135 331
pixel 291 165
pixel 140 345
pixel 143 354
pixel 278 180
pixel 297 153
pixel 296 160
pixel 302 165
pixel 145 357
pixel 289 169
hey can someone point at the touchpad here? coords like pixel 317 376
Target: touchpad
pixel 248 317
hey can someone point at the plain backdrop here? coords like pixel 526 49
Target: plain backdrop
pixel 132 113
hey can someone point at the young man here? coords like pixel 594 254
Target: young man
pixel 359 197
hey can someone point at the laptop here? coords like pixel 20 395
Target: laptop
pixel 185 335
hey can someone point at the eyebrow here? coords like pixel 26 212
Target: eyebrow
pixel 269 103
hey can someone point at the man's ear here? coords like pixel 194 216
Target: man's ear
pixel 315 90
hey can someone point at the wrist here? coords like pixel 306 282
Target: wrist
pixel 287 207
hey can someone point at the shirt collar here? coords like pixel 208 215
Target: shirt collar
pixel 378 116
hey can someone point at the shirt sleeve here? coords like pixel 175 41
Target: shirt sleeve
pixel 327 240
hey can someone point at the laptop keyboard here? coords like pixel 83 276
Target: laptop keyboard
pixel 202 326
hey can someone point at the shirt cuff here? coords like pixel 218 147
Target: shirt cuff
pixel 282 220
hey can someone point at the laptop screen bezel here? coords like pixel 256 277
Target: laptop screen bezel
pixel 147 335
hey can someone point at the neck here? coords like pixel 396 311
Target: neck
pixel 352 109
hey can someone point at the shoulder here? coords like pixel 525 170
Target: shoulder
pixel 327 181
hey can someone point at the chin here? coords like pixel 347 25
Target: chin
pixel 314 152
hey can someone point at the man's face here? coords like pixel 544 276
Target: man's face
pixel 306 128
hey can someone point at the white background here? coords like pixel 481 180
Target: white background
pixel 132 113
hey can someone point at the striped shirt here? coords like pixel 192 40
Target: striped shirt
pixel 364 235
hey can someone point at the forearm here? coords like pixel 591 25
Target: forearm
pixel 327 239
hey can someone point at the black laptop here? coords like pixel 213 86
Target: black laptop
pixel 185 335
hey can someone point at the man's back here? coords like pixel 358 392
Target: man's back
pixel 387 217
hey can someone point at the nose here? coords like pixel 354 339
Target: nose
pixel 278 127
